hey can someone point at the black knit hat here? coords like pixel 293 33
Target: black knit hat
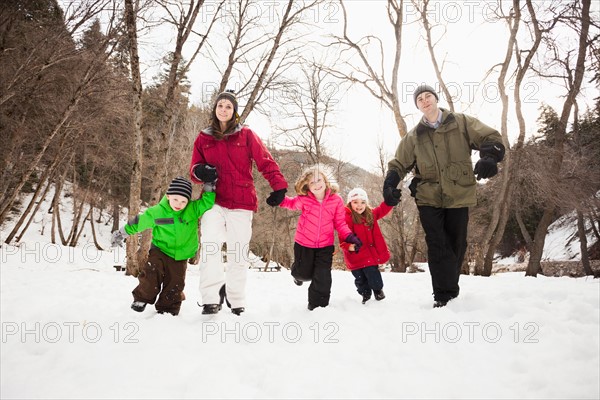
pixel 424 88
pixel 180 186
pixel 229 95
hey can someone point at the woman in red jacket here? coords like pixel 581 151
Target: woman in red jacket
pixel 228 149
pixel 362 220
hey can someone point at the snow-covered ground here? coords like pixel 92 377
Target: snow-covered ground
pixel 68 332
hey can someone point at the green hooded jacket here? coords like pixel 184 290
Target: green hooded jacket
pixel 442 158
pixel 175 233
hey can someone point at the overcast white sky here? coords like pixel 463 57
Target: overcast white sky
pixel 473 43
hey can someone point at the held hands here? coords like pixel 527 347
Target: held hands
pixel 354 240
pixel 391 195
pixel 118 237
pixel 209 186
pixel 276 197
pixel 205 172
pixel 486 167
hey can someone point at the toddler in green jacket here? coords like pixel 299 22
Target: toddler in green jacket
pixel 174 224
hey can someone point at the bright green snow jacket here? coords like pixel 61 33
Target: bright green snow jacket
pixel 442 158
pixel 175 233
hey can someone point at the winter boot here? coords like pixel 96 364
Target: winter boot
pixel 211 308
pixel 297 282
pixel 223 296
pixel 238 310
pixel 366 296
pixel 173 313
pixel 440 303
pixel 379 295
pixel 138 306
pixel 311 306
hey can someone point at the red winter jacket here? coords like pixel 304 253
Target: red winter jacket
pixel 232 156
pixel 318 219
pixel 374 250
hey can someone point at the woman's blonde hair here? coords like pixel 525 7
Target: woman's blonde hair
pixel 307 175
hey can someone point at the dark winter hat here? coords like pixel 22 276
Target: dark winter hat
pixel 424 88
pixel 229 95
pixel 180 186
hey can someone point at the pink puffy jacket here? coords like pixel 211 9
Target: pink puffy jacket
pixel 318 219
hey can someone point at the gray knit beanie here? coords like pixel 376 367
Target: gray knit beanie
pixel 424 88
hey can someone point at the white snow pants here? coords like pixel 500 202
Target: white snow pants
pixel 234 227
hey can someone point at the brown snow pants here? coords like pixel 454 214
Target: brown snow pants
pixel 164 277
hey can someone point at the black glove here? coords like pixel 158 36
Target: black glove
pixel 486 167
pixel 391 195
pixel 117 238
pixel 205 172
pixel 276 197
pixel 353 239
pixel 413 186
pixel 392 179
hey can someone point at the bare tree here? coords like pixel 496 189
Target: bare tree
pixel 307 106
pixel 374 78
pixel 574 78
pixel 135 187
pixel 422 7
pixel 184 21
pixel 260 56
pixel 90 67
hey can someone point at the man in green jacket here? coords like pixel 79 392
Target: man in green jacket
pixel 439 149
pixel 174 224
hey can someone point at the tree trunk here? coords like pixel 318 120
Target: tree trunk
pixel 56 221
pixel 398 249
pixel 436 67
pixel 537 247
pixel 27 210
pixel 37 207
pixel 136 172
pixel 77 212
pixel 583 247
pixel 272 243
pixel 98 247
pixel 80 230
pixel 116 214
pixel 492 235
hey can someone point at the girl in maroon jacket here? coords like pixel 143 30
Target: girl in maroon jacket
pixel 322 213
pixel 228 149
pixel 362 220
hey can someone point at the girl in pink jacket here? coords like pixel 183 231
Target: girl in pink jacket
pixel 322 211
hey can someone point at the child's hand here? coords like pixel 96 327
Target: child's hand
pixel 351 247
pixel 354 240
pixel 118 237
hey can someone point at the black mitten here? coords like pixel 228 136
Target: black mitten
pixel 486 167
pixel 276 197
pixel 205 172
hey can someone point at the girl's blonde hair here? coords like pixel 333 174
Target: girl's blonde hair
pixel 307 175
